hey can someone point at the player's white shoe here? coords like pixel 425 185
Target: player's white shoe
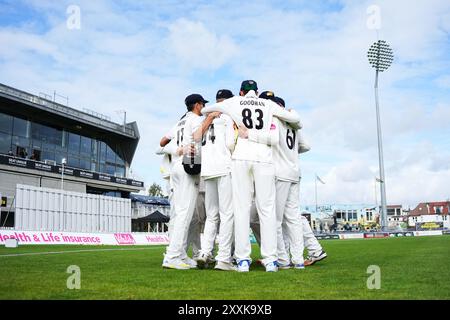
pixel 243 266
pixel 271 267
pixel 175 264
pixel 299 266
pixel 191 262
pixel 310 260
pixel 220 265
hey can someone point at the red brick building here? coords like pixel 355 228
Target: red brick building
pixel 426 208
pixel 430 212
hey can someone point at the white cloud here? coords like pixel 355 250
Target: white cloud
pixel 16 44
pixel 197 47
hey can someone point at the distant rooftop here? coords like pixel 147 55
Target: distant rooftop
pixel 66 111
pixel 149 199
pixel 438 207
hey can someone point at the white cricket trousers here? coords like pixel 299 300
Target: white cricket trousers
pixel 310 241
pixel 184 201
pixel 169 189
pixel 311 244
pixel 254 224
pixel 287 209
pixel 196 226
pixel 257 177
pixel 219 212
pixel 197 220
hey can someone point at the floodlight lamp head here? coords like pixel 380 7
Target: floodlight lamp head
pixel 380 55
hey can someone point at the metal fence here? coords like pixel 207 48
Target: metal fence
pixel 44 209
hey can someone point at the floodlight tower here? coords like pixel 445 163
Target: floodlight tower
pixel 380 57
pixel 63 163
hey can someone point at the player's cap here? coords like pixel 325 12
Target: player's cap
pixel 267 95
pixel 224 94
pixel 279 101
pixel 193 98
pixel 248 85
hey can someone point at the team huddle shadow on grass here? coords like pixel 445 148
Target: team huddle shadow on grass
pixel 106 272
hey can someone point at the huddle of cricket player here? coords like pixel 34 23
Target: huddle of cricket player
pixel 230 167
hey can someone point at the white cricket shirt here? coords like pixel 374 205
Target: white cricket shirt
pixel 183 131
pixel 217 145
pixel 285 153
pixel 253 113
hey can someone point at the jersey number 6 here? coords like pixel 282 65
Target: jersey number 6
pixel 290 140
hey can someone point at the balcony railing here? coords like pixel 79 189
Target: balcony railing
pixel 67 111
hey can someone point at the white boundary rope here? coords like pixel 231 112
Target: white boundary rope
pixel 73 251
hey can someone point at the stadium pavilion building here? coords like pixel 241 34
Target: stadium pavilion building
pixel 36 134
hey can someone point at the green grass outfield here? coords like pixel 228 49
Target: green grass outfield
pixel 411 268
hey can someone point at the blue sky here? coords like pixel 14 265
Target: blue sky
pixel 146 56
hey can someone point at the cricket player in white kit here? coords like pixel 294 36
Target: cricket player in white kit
pixel 310 242
pixel 217 146
pixel 171 151
pixel 285 156
pixel 253 171
pixel 185 185
pixel 287 174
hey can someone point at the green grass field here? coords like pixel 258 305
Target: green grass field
pixel 411 268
